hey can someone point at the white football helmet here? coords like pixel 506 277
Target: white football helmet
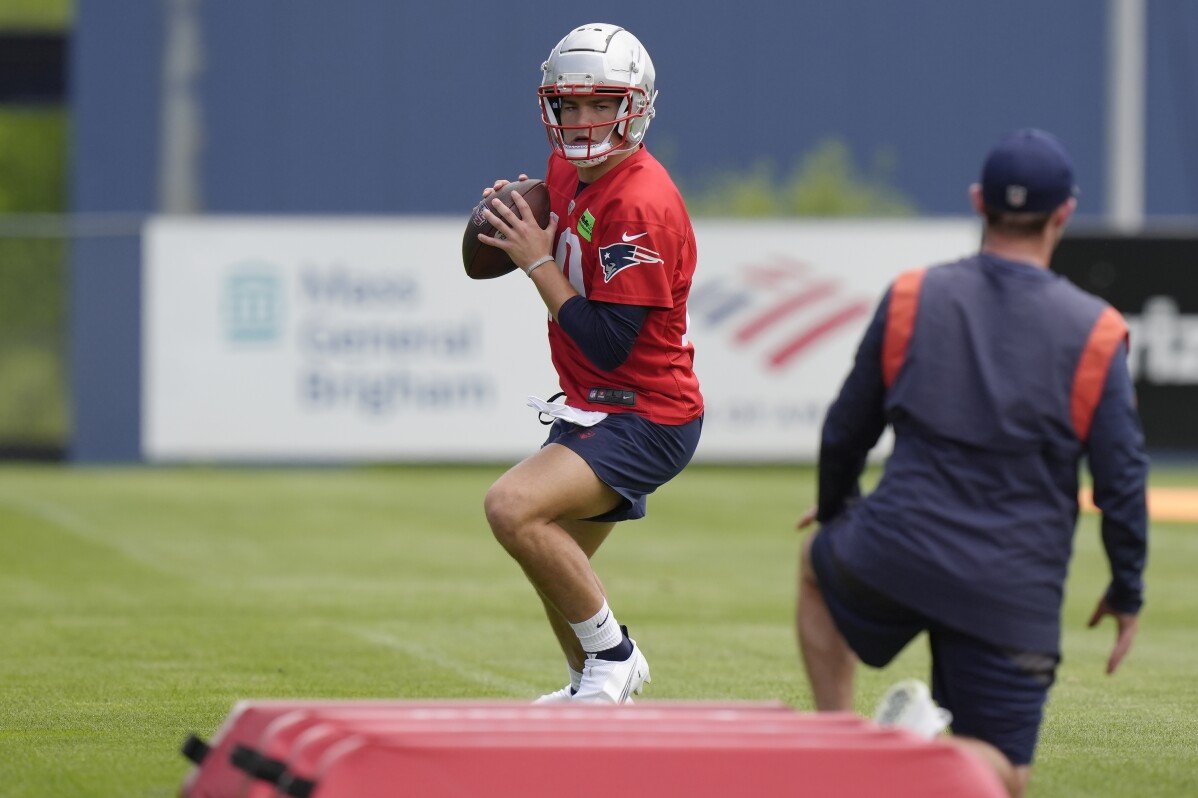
pixel 598 59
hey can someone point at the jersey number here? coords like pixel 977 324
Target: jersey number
pixel 569 253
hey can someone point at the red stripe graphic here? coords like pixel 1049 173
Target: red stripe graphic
pixel 809 336
pixel 769 318
pixel 773 274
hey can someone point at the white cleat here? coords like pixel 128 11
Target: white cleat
pixel 606 682
pixel 557 696
pixel 908 705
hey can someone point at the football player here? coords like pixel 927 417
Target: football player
pixel 614 268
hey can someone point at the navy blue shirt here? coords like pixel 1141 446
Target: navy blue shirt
pixel 604 331
pixel 972 522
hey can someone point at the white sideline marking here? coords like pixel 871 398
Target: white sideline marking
pixel 478 674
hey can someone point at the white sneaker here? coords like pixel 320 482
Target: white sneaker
pixel 908 705
pixel 607 682
pixel 557 696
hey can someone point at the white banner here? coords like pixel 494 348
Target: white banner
pixel 777 310
pixel 299 339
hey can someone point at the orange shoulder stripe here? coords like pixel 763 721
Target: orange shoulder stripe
pixel 900 323
pixel 1092 368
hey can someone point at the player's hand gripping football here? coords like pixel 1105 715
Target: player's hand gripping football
pixel 1127 624
pixel 518 235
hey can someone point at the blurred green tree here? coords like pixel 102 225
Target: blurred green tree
pixel 824 182
pixel 33 179
pixel 43 14
pixel 33 160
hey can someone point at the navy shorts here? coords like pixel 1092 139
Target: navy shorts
pixel 996 694
pixel 631 455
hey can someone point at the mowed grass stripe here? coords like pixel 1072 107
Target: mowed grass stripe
pixel 140 604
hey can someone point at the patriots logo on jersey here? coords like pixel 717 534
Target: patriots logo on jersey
pixel 615 258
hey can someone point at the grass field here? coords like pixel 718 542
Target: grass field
pixel 139 604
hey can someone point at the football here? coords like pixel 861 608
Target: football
pixel 483 261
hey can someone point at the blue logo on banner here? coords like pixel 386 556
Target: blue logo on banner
pixel 253 304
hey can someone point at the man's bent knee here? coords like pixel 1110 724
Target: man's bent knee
pixel 508 512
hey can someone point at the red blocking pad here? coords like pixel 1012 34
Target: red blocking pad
pixel 214 775
pixel 646 764
pixel 503 748
pixel 295 743
pixel 289 738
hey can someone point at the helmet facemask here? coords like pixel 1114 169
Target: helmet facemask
pixel 626 128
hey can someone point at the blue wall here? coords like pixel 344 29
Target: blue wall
pixel 114 99
pixel 1172 142
pixel 394 107
pixel 383 107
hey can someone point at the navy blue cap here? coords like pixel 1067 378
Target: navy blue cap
pixel 1028 171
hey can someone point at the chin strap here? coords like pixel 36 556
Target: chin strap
pixel 589 161
pixel 597 159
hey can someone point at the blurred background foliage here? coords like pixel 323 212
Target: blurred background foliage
pixel 41 14
pixel 823 182
pixel 34 158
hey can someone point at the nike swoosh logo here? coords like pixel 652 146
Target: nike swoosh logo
pixel 628 238
pixel 600 624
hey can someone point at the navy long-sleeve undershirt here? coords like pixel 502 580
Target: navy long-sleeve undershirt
pixel 604 331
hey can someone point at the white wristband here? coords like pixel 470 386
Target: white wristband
pixel 538 263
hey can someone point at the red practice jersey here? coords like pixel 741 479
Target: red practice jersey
pixel 627 239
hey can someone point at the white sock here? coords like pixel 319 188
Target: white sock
pixel 599 632
pixel 575 679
